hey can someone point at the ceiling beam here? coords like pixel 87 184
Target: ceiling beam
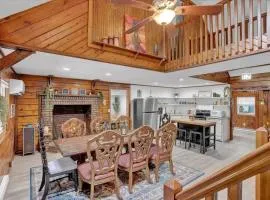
pixel 13 58
pixel 222 77
pixel 1 53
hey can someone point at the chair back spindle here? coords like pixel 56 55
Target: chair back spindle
pixel 139 144
pixel 106 154
pixel 165 138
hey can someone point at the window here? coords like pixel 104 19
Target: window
pixel 3 105
pixel 246 106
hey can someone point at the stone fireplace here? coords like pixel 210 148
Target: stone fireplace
pixel 61 108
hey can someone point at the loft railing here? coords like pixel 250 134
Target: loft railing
pixel 243 27
pixel 256 164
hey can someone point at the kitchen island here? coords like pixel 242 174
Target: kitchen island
pixel 200 125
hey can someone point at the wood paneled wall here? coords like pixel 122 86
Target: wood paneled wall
pixel 7 138
pixel 258 87
pixel 28 104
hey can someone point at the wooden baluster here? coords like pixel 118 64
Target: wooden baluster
pixel 251 29
pixel 235 192
pixel 236 38
pixel 262 180
pixel 197 48
pixel 211 197
pixel 201 39
pixel 268 23
pixel 188 44
pixel 217 37
pixel 211 36
pixel 243 9
pixel 177 48
pixel 222 34
pixel 184 44
pixel 259 14
pixel 206 37
pixel 191 60
pixel 181 45
pixel 229 27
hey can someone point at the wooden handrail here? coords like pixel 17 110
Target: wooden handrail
pixel 256 162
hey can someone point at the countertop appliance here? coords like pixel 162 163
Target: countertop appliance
pixel 202 114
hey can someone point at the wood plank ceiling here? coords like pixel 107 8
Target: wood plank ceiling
pixel 60 27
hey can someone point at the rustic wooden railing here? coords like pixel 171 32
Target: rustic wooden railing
pixel 212 38
pixel 256 164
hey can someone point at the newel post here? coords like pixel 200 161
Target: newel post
pixel 171 188
pixel 263 179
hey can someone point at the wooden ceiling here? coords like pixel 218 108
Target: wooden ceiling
pixel 61 27
pixel 222 77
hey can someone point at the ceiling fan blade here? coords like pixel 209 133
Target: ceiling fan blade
pixel 134 3
pixel 140 24
pixel 198 10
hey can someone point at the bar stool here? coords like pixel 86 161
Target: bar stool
pixel 193 139
pixel 182 134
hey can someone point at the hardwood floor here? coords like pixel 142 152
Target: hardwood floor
pixel 243 143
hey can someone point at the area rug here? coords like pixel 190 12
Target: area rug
pixel 142 190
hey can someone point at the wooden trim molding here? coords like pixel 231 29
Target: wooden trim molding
pixel 13 58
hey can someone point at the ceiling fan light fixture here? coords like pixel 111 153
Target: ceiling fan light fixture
pixel 164 17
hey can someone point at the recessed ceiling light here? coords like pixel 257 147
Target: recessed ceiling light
pixel 66 69
pixel 108 74
pixel 155 83
pixel 207 83
pixel 181 79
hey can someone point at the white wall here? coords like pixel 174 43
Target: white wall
pixel 153 91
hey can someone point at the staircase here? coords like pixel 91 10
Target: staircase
pixel 231 177
pixel 235 32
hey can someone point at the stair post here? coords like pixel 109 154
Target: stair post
pixel 263 179
pixel 171 188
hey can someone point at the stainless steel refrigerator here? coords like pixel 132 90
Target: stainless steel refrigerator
pixel 146 112
pixel 151 114
pixel 138 112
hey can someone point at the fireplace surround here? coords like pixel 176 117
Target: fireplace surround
pixel 81 107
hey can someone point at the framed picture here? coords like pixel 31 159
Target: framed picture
pixel 82 92
pixel 134 41
pixel 246 106
pixel 65 91
pixel 74 91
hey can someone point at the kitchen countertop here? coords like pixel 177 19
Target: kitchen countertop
pixel 204 123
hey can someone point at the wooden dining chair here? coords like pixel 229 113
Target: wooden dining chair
pixel 73 128
pixel 97 125
pixel 122 121
pixel 103 154
pixel 55 168
pixel 138 153
pixel 162 150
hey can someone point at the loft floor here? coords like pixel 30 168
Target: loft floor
pixel 243 143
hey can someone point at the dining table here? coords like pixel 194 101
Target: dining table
pixel 200 123
pixel 75 146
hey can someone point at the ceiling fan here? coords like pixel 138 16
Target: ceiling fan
pixel 166 10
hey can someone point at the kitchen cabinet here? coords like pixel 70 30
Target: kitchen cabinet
pixel 222 128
